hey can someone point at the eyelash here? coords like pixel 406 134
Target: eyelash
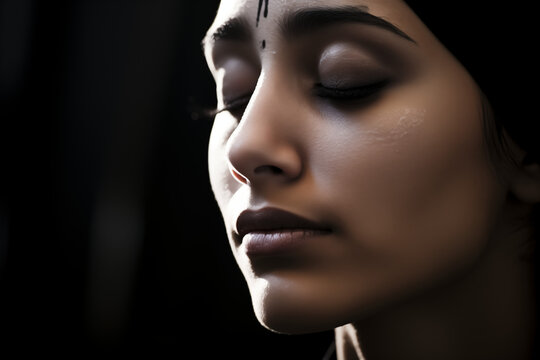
pixel 335 94
pixel 234 105
pixel 347 94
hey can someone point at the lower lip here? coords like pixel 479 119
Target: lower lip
pixel 278 242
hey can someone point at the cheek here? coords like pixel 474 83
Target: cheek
pixel 421 198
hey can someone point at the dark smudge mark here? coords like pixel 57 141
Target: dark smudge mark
pixel 265 14
pixel 259 12
pixel 263 45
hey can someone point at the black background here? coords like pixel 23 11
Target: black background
pixel 110 240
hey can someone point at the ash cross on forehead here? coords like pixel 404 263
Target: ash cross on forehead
pixel 265 14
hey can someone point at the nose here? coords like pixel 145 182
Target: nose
pixel 265 148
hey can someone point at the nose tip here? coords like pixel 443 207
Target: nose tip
pixel 256 160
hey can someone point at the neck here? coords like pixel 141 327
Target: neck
pixel 487 313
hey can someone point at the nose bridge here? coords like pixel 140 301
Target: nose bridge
pixel 263 146
pixel 262 122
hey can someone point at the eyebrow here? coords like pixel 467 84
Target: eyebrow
pixel 232 29
pixel 304 21
pixel 307 20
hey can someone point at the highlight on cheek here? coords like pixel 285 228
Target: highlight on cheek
pixel 391 128
pixel 406 122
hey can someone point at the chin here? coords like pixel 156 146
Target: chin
pixel 293 322
pixel 296 310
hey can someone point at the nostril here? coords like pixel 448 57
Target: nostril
pixel 239 177
pixel 269 169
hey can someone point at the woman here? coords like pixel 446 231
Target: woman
pixel 370 183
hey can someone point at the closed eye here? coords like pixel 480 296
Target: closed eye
pixel 352 93
pixel 235 106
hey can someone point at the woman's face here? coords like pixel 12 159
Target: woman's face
pixel 347 158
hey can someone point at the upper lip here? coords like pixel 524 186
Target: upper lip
pixel 272 219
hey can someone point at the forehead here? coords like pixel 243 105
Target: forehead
pixel 263 16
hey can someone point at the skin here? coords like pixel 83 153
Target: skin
pixel 423 260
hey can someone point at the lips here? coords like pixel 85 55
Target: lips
pixel 272 220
